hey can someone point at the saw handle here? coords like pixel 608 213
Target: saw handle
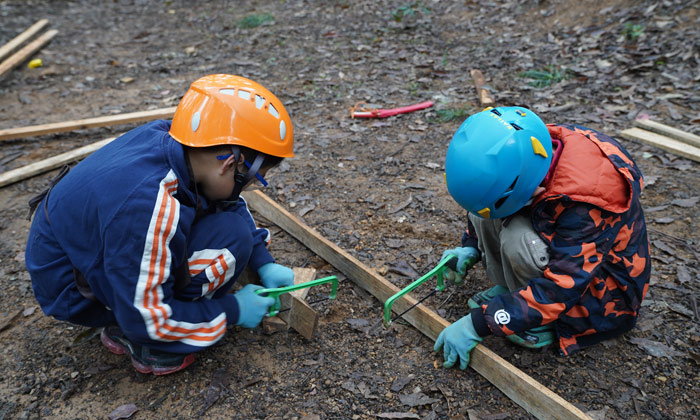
pixel 277 291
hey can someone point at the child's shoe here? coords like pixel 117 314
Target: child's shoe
pixel 483 297
pixel 144 359
pixel 534 338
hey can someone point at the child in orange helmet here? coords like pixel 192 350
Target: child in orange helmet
pixel 147 236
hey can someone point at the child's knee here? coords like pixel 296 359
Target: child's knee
pixel 528 254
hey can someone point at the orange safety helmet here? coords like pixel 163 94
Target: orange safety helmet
pixel 224 109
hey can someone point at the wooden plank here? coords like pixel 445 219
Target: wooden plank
pixel 15 175
pixel 662 142
pixel 479 83
pixel 519 387
pixel 20 39
pixel 669 131
pixel 43 129
pixel 303 275
pixel 20 56
pixel 300 316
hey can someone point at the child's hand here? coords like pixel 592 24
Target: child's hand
pixel 251 306
pixel 466 258
pixel 274 275
pixel 458 339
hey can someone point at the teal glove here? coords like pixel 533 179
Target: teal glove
pixel 466 258
pixel 251 307
pixel 274 275
pixel 458 339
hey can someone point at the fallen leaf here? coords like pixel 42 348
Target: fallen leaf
pixel 686 202
pixel 399 383
pixel 655 348
pixel 86 336
pixel 664 247
pixel 417 399
pixel 664 220
pixel 398 416
pixel 358 324
pixel 123 412
pixel 6 321
pixel 401 267
pixel 683 274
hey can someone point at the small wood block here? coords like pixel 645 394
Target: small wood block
pixel 480 84
pixel 300 316
pixel 274 325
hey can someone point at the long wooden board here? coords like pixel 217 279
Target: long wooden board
pixel 668 131
pixel 518 386
pixel 6 49
pixel 666 143
pixel 43 129
pixel 15 175
pixel 20 56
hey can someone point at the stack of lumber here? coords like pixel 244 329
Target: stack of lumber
pixel 665 137
pixel 28 50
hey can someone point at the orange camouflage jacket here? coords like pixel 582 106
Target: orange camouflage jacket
pixel 591 217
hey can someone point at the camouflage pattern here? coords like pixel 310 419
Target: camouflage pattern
pixel 591 217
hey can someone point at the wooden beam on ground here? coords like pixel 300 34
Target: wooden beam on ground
pixel 518 386
pixel 482 92
pixel 6 49
pixel 15 175
pixel 20 56
pixel 662 142
pixel 43 129
pixel 669 131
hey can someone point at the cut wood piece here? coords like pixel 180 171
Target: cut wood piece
pixel 6 49
pixel 300 316
pixel 297 313
pixel 43 129
pixel 274 325
pixel 669 131
pixel 662 142
pixel 10 177
pixel 20 56
pixel 303 275
pixel 482 92
pixel 519 387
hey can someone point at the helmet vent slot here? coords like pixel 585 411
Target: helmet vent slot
pixel 243 94
pixel 506 194
pixel 516 126
pixel 273 111
pixel 495 111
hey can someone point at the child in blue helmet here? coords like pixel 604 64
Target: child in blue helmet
pixel 554 213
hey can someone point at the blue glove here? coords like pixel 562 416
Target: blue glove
pixel 251 307
pixel 458 339
pixel 466 258
pixel 274 275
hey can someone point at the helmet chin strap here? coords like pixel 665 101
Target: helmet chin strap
pixel 242 178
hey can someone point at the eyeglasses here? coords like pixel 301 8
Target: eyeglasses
pixel 247 164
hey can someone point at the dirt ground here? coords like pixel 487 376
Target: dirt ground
pixel 373 187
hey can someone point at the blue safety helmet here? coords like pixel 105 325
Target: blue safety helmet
pixel 496 160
